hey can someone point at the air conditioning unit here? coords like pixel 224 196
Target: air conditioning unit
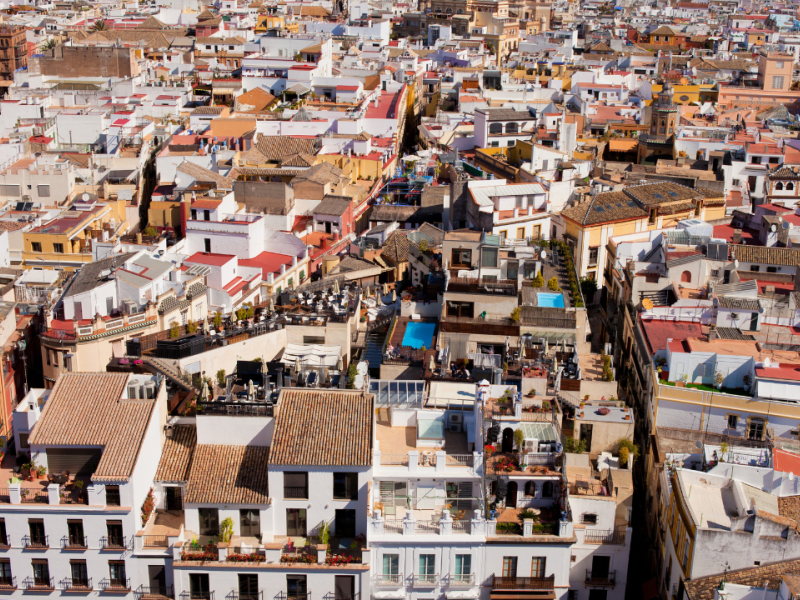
pixel 455 428
pixel 545 447
pixel 456 418
pixel 133 391
pixel 532 445
pixel 734 315
pixel 149 390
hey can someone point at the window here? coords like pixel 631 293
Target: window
pixel 589 519
pixel 790 186
pixel 248 587
pixel 427 568
pixel 295 485
pixel 209 521
pixel 58 248
pixel 3 534
pixel 685 561
pixel 512 273
pixel 547 489
pixel 756 160
pixel 206 215
pixel 489 257
pixel 715 272
pixel 75 538
pixel 509 566
pixel 198 586
pixel 41 573
pixel 6 578
pixel 755 268
pixel 37 537
pixel 78 573
pixel 461 309
pixel 249 522
pixel 36 246
pixel 733 421
pixel 772 269
pixel 115 537
pixel 779 64
pixel 194 214
pixel 345 486
pixel 653 216
pixel 112 495
pixel 43 191
pixel 593 254
pixel 777 82
pixel 461 258
pixel 463 572
pixel 755 428
pixel 391 568
pixel 207 244
pixel 296 587
pixel 116 574
pixel 9 190
pixel 537 566
pixel 530 488
pixel 296 522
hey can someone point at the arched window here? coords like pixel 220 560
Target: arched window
pixel 686 277
pixel 512 128
pixel 547 489
pixel 449 11
pixel 530 488
pixel 790 186
pixel 496 128
pixel 460 11
pixel 779 186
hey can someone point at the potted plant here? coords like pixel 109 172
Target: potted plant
pixel 532 393
pixel 719 379
pixel 746 382
pixel 723 451
pixel 41 471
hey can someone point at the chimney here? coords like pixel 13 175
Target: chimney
pixel 712 335
pixel 737 236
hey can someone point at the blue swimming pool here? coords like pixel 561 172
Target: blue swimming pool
pixel 418 335
pixel 551 300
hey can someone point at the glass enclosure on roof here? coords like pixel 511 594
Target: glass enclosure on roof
pixel 397 393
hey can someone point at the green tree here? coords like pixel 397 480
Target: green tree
pixel 150 231
pixel 553 284
pixel 519 438
pixel 99 25
pixel 174 330
pixel 626 444
pixel 221 377
pixel 538 281
pixel 515 315
pixel 351 376
pixel 49 44
pixel 588 288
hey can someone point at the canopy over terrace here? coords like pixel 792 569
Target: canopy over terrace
pixel 311 357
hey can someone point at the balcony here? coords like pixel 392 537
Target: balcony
pixel 605 536
pixel 426 581
pixel 38 542
pixel 76 585
pixel 72 543
pixel 155 541
pixel 295 492
pixel 115 586
pixel 154 593
pixel 37 584
pixel 113 543
pixel 389 580
pixel 234 595
pixel 8 584
pixel 495 287
pixel 293 596
pixel 600 577
pixel 462 581
pixel 197 595
pixel 524 583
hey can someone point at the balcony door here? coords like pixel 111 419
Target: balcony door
pixel 296 522
pixel 174 499
pixel 248 587
pixel 345 587
pixel 345 523
pixel 296 587
pixel 600 567
pixel 249 523
pixel 157 579
pixel 198 586
pixel 509 566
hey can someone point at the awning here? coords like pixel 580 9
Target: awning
pixel 463 595
pixel 311 356
pixel 298 88
pixel 543 595
pixel 622 145
pixel 398 595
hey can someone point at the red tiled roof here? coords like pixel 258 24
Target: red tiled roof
pixel 210 258
pixel 786 462
pixel 268 262
pixel 657 332
pixel 788 372
pixel 726 232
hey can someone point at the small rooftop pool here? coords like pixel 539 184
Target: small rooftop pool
pixel 550 300
pixel 419 334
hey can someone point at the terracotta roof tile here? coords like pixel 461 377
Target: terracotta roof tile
pixel 228 475
pixel 323 428
pixel 176 457
pixel 87 409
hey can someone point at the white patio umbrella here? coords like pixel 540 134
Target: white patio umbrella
pixel 336 289
pixel 340 364
pixel 555 365
pixel 564 346
pixel 297 365
pixel 271 306
pixel 432 364
pixel 546 346
pixel 251 391
pixel 411 158
pixel 385 289
pixel 394 296
pixel 204 391
pixel 205 324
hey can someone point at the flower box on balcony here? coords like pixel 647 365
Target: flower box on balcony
pixel 341 559
pixel 246 558
pixel 298 558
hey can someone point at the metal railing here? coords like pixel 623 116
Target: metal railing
pixel 37 584
pixel 399 460
pixel 143 592
pixel 197 595
pixel 461 526
pixel 426 580
pixel 115 585
pixel 389 579
pixel 113 542
pixel 39 541
pixel 5 497
pixel 462 580
pixel 295 492
pixel 427 527
pixel 524 583
pixel 155 541
pixel 235 595
pixel 8 583
pixel 294 596
pixel 602 578
pixel 538 459
pixel 393 526
pixel 76 585
pixel 459 460
pixel 605 536
pixel 29 496
pixel 70 543
pixel 496 287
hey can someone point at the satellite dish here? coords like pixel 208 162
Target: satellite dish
pixel 786 224
pixel 767 362
pixel 362 368
pixel 736 264
pixel 647 304
pixel 773 228
pixel 543 254
pixel 698 444
pixel 359 382
pixel 86 197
